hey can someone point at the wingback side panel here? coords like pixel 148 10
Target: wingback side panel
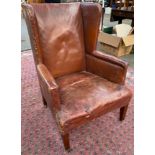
pixel 91 14
pixel 61 35
pixel 31 23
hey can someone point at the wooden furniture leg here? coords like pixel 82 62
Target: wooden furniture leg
pixel 123 111
pixel 65 139
pixel 44 102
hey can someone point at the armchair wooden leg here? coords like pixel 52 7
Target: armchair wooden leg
pixel 65 139
pixel 44 102
pixel 123 111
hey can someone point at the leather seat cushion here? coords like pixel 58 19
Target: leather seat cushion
pixel 84 94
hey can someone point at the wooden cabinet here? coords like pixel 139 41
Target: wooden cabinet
pixel 121 3
pixel 35 1
pixel 122 9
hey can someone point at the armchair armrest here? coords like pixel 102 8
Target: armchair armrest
pixel 46 76
pixel 49 87
pixel 107 66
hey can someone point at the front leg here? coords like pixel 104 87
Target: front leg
pixel 65 138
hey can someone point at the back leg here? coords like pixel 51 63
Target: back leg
pixel 123 111
pixel 44 102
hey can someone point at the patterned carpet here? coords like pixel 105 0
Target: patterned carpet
pixel 40 136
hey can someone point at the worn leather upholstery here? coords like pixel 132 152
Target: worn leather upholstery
pixel 49 87
pixel 61 37
pixel 91 15
pixel 77 82
pixel 106 66
pixel 85 96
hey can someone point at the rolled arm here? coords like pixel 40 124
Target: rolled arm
pixel 49 87
pixel 107 66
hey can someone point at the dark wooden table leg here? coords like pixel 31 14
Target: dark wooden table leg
pixel 65 139
pixel 123 111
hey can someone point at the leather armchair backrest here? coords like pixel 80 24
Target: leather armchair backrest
pixel 60 29
pixel 60 34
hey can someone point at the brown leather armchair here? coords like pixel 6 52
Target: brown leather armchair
pixel 77 82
